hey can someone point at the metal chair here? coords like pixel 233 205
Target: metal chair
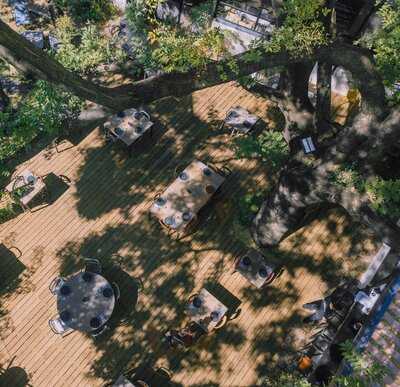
pixel 145 114
pixel 56 284
pixel 93 266
pixel 117 292
pixel 58 327
pixel 99 331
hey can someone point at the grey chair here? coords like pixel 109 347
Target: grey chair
pixel 58 327
pixel 93 266
pixel 117 293
pixel 99 331
pixel 56 284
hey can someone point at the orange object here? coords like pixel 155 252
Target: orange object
pixel 305 363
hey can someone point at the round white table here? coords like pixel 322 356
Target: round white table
pixel 85 302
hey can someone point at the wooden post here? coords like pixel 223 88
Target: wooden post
pixel 215 14
pixel 180 11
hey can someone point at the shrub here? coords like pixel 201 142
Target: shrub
pixel 93 48
pixel 270 146
pixel 249 205
pixel 44 110
pixel 87 10
pixel 347 176
pixel 385 196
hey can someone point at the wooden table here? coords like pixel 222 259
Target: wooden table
pixel 128 128
pixel 190 191
pixel 240 120
pixel 252 266
pixel 202 315
pixel 26 180
pixel 85 302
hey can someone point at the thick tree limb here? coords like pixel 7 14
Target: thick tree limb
pixel 30 60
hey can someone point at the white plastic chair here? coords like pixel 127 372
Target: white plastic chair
pixel 56 284
pixel 58 327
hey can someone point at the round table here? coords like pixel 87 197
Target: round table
pixel 85 302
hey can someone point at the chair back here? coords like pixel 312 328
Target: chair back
pixel 117 292
pixel 145 114
pixel 58 327
pixel 56 284
pixel 93 266
pixel 99 331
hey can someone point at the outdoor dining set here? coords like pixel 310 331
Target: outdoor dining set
pixel 85 301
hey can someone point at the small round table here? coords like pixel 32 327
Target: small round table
pixel 85 301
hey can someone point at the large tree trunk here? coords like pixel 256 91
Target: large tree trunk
pixel 302 187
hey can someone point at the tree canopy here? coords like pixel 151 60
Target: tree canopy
pixel 307 33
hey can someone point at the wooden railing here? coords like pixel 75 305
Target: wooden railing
pixel 257 19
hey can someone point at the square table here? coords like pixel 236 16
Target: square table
pixel 26 179
pixel 209 312
pixel 240 120
pixel 192 189
pixel 127 128
pixel 252 266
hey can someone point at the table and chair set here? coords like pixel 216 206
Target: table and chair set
pixel 129 126
pixel 85 301
pixel 25 187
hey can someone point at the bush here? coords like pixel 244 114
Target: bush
pixel 93 48
pixel 270 146
pixel 44 110
pixel 385 196
pixel 347 176
pixel 249 205
pixel 87 10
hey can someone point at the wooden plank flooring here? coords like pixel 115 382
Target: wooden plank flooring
pixel 104 214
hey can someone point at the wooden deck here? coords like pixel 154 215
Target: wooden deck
pixel 104 214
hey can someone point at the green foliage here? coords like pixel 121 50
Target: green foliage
pixel 385 196
pixel 141 15
pixel 365 373
pixel 201 15
pixel 302 29
pixel 93 49
pixel 386 45
pixel 87 10
pixel 7 212
pixel 270 146
pixel 347 176
pixel 287 379
pixel 45 109
pixel 179 50
pixel 167 47
pixel 249 205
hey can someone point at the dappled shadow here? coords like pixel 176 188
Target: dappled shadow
pixel 117 190
pixel 14 376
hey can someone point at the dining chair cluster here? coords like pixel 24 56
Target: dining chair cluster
pixel 85 301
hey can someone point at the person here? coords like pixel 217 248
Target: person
pixel 319 307
pixel 179 338
pixel 340 300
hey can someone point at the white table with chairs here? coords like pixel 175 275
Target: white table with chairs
pixel 25 187
pixel 253 267
pixel 240 120
pixel 206 310
pixel 85 301
pixel 179 204
pixel 128 126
